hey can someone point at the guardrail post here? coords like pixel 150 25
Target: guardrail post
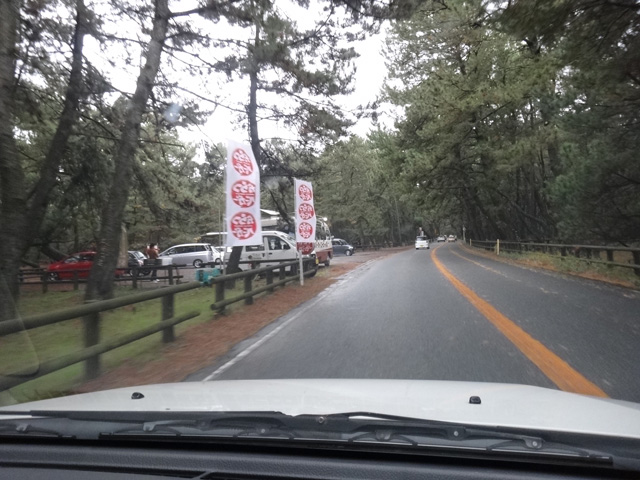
pixel 170 271
pixel 168 335
pixel 247 289
pixel 91 325
pixel 134 277
pixel 270 280
pixel 75 279
pixel 281 273
pixel 220 294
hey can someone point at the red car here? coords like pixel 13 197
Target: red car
pixel 65 268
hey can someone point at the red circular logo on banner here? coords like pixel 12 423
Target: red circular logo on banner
pixel 243 193
pixel 305 230
pixel 305 247
pixel 306 211
pixel 242 162
pixel 305 193
pixel 243 225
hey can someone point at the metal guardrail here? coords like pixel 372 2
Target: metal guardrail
pixel 91 318
pixel 586 253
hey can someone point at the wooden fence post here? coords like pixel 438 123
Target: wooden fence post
pixel 247 289
pixel 609 257
pixel 75 279
pixel 168 334
pixel 498 247
pixel 91 324
pixel 636 261
pixel 220 294
pixel 170 271
pixel 134 277
pixel 45 283
pixel 270 280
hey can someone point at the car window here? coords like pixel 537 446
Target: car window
pixel 274 243
pixel 513 123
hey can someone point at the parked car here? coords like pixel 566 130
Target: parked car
pixel 422 242
pixel 81 262
pixel 196 254
pixel 441 238
pixel 451 238
pixel 136 259
pixel 341 246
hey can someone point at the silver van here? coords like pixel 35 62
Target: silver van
pixel 195 254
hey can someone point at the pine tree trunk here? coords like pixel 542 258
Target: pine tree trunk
pixel 21 223
pixel 100 283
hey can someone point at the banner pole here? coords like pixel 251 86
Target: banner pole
pixel 300 268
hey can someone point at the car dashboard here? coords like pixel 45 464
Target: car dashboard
pixel 110 460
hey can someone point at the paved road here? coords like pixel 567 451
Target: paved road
pixel 450 314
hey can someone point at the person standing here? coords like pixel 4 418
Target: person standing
pixel 153 252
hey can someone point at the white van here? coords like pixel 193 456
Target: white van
pixel 276 247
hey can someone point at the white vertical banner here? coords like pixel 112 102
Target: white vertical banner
pixel 243 196
pixel 305 217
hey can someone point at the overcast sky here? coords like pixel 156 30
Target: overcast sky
pixel 221 125
pixel 370 75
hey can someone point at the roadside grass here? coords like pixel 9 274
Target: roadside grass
pixel 580 267
pixel 53 341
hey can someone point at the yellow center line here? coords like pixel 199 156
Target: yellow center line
pixel 554 367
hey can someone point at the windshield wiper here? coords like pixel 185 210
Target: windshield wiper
pixel 23 429
pixel 357 429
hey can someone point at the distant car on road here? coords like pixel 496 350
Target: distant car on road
pixel 196 254
pixel 441 238
pixel 341 246
pixel 422 242
pixel 80 262
pixel 451 238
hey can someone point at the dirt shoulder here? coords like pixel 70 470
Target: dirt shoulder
pixel 201 345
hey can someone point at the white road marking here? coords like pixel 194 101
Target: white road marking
pixel 274 332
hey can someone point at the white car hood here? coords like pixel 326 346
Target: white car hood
pixel 506 405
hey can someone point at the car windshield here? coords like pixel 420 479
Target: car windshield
pixel 439 192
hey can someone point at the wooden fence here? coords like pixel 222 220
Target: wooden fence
pixel 91 318
pixel 587 253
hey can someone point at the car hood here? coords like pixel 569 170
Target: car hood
pixel 505 405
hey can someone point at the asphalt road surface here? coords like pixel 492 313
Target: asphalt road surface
pixel 450 314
